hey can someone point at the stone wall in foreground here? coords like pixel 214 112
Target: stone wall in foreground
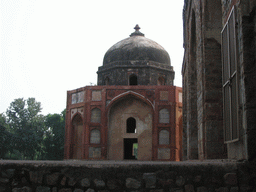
pixel 125 176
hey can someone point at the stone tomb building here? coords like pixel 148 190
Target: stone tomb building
pixel 219 81
pixel 134 112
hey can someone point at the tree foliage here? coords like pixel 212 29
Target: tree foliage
pixel 27 134
pixel 54 141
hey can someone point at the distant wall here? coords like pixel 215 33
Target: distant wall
pixel 107 176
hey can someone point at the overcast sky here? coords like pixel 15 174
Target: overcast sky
pixel 51 46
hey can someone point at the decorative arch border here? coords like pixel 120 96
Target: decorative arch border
pixel 77 113
pixel 129 93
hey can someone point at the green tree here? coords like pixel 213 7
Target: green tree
pixel 54 137
pixel 27 126
pixel 6 137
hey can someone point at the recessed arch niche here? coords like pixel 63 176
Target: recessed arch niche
pixel 132 107
pixel 77 129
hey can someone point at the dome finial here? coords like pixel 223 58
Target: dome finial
pixel 137 27
pixel 137 31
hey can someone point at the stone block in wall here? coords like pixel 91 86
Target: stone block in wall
pixel 189 188
pixel 63 180
pixel 99 183
pixel 52 179
pixel 165 183
pixel 4 180
pixel 245 188
pixel 201 189
pixel 36 176
pixel 85 182
pixel 180 181
pixel 114 184
pixel 90 190
pixel 71 181
pixel 176 190
pixel 23 189
pixel 132 183
pixel 43 189
pixel 78 190
pixel 2 189
pixel 156 190
pixel 150 180
pixel 222 189
pixel 197 178
pixel 230 178
pixel 8 173
pixel 65 190
pixel 234 189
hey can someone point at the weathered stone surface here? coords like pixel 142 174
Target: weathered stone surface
pixel 8 173
pixel 156 190
pixel 2 189
pixel 85 182
pixel 197 178
pixel 222 189
pixel 43 189
pixel 150 180
pixel 230 178
pixel 167 182
pixel 23 189
pixel 52 179
pixel 90 190
pixel 99 183
pixel 176 190
pixel 71 181
pixel 36 176
pixel 201 189
pixel 24 180
pixel 54 189
pixel 15 182
pixel 189 188
pixel 132 183
pixel 78 190
pixel 180 181
pixel 65 190
pixel 63 180
pixel 245 188
pixel 234 189
pixel 114 184
pixel 4 180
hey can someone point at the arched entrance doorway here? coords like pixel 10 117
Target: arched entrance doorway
pixel 77 125
pixel 130 129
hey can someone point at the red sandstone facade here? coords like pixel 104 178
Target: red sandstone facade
pixel 104 98
pixel 135 112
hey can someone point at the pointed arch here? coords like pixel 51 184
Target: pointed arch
pixel 127 94
pixel 77 136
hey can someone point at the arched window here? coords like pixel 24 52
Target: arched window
pixel 164 116
pixel 131 125
pixel 96 115
pixel 107 81
pixel 133 80
pixel 161 81
pixel 95 136
pixel 164 137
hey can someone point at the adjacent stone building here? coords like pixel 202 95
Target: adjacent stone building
pixel 134 112
pixel 219 84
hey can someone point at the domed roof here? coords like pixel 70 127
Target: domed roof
pixel 136 47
